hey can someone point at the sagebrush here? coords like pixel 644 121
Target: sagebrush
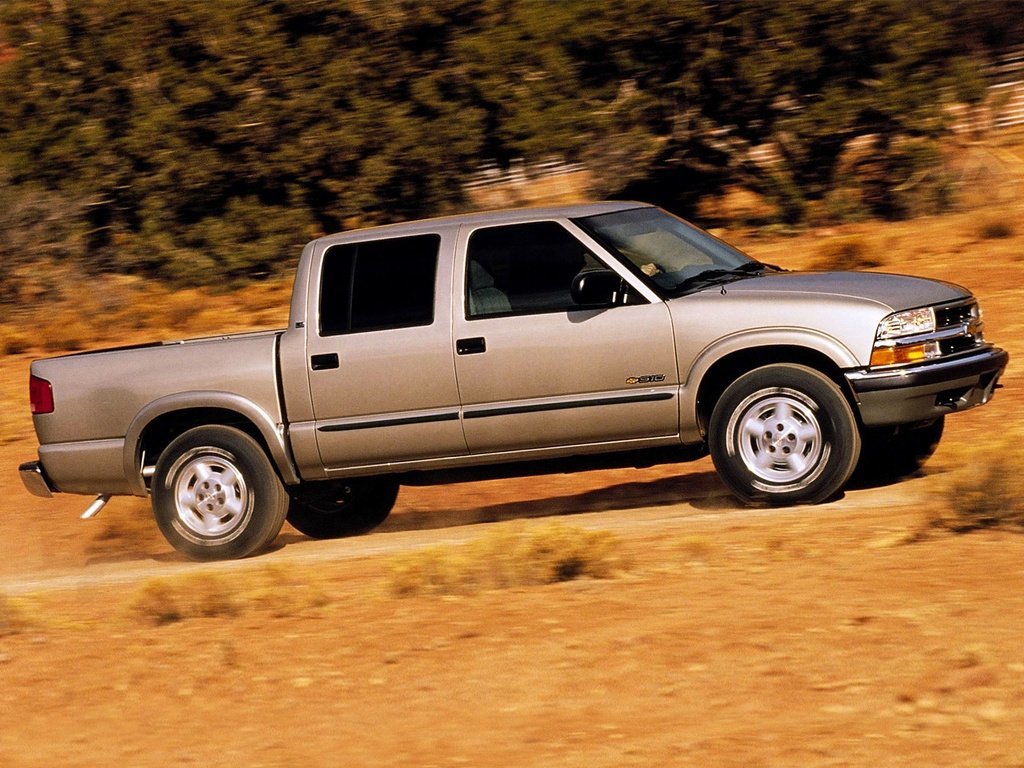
pixel 983 493
pixel 509 556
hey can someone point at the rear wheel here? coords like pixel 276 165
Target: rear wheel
pixel 784 434
pixel 216 495
pixel 330 510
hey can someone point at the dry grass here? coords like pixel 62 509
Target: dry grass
pixel 983 492
pixel 277 591
pixel 695 548
pixel 122 310
pixel 12 620
pixel 282 592
pixel 200 595
pixel 511 555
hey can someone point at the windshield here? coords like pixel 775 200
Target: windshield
pixel 671 253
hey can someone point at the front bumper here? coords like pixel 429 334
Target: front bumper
pixel 35 479
pixel 929 390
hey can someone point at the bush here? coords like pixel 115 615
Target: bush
pixel 984 493
pixel 995 229
pixel 509 556
pixel 165 601
pixel 13 342
pixel 845 253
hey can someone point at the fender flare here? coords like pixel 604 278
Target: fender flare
pixel 745 341
pixel 273 433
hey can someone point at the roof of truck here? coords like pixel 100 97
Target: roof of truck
pixel 485 218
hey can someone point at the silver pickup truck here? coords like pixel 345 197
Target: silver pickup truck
pixel 516 342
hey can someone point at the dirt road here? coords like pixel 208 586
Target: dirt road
pixel 734 637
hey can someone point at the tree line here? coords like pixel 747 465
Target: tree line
pixel 208 141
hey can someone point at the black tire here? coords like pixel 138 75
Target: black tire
pixel 890 453
pixel 331 510
pixel 216 495
pixel 784 434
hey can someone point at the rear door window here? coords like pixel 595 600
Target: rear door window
pixel 378 284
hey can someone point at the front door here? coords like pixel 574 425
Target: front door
pixel 535 370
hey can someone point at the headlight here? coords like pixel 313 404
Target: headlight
pixel 909 323
pixel 899 341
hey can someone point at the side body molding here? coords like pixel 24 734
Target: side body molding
pixel 273 433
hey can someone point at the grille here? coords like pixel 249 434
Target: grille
pixel 957 314
pixel 965 318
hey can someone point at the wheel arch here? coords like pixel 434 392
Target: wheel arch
pixel 715 374
pixel 159 423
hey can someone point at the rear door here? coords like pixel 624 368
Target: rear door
pixel 381 373
pixel 535 370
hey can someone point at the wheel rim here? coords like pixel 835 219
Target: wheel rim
pixel 779 437
pixel 211 496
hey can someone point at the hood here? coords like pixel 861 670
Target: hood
pixel 897 292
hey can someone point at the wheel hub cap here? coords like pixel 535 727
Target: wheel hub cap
pixel 780 438
pixel 211 496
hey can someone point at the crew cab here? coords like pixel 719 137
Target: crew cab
pixel 510 343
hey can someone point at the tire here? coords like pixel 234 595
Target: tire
pixel 894 452
pixel 216 495
pixel 330 510
pixel 784 434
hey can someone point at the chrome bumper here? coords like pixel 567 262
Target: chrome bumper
pixel 35 480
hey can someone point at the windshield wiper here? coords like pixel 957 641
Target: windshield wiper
pixel 719 276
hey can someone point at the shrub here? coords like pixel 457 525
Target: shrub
pixel 165 601
pixel 995 229
pixel 508 556
pixel 982 494
pixel 844 253
pixel 13 342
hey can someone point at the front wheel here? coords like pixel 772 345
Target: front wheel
pixel 330 510
pixel 784 434
pixel 216 495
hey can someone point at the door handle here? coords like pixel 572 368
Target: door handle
pixel 473 346
pixel 324 362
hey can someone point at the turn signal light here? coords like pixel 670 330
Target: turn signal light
pixel 40 395
pixel 901 355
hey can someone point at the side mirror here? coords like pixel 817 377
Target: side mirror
pixel 597 288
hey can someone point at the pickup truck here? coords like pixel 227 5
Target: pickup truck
pixel 511 343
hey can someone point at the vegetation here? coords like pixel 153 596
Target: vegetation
pixel 846 253
pixel 509 556
pixel 201 595
pixel 277 591
pixel 977 497
pixel 11 620
pixel 995 229
pixel 205 141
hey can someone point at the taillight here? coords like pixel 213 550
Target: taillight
pixel 40 394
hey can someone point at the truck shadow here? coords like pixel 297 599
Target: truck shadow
pixel 702 490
